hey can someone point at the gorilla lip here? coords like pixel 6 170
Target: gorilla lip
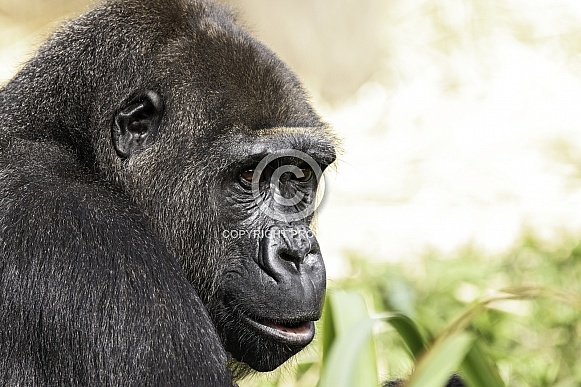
pixel 297 333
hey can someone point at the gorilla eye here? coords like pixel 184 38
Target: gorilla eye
pixel 307 175
pixel 247 175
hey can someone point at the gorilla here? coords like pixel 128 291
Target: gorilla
pixel 158 177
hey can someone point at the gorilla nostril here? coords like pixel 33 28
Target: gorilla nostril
pixel 286 256
pixel 290 257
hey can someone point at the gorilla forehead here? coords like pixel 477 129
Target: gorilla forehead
pixel 246 148
pixel 233 79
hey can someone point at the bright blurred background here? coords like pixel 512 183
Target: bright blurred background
pixel 461 162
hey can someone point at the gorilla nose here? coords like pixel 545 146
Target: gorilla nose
pixel 289 250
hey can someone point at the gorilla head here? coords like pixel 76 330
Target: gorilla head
pixel 212 138
pixel 219 147
pixel 171 107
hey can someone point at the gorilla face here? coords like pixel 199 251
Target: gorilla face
pixel 224 154
pixel 239 222
pixel 273 283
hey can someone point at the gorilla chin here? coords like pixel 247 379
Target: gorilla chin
pixel 264 345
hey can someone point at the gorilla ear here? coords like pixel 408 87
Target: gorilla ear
pixel 137 123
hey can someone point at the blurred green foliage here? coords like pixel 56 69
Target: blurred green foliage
pixel 531 333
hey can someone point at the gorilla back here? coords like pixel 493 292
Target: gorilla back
pixel 158 170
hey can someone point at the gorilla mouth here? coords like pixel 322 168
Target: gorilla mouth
pixel 290 332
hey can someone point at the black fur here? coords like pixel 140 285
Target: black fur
pixel 454 381
pixel 122 143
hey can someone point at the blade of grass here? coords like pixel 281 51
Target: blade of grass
pixel 436 366
pixel 478 371
pixel 349 353
pixel 328 328
pixel 343 368
pixel 408 330
pixel 348 309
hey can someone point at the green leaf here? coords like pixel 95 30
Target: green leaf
pixel 344 367
pixel 436 366
pixel 349 353
pixel 408 331
pixel 329 335
pixel 478 371
pixel 348 310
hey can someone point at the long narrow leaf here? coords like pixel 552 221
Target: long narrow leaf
pixel 478 371
pixel 348 349
pixel 348 309
pixel 409 332
pixel 329 334
pixel 434 369
pixel 342 368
